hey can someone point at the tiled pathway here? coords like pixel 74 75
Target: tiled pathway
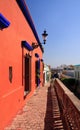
pixel 33 115
pixel 41 112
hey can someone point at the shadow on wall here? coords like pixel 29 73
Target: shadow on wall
pixel 49 116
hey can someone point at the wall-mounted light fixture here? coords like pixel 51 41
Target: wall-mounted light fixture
pixel 44 35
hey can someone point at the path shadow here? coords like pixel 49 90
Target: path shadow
pixel 48 121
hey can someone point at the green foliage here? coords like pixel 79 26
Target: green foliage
pixel 69 83
pixel 72 85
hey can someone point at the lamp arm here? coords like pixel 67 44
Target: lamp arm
pixel 35 45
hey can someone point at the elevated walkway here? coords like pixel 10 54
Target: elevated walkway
pixel 52 107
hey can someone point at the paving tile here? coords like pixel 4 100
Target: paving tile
pixel 37 114
pixel 32 115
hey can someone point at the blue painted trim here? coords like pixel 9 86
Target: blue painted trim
pixel 26 45
pixel 4 23
pixel 36 55
pixel 38 72
pixel 27 15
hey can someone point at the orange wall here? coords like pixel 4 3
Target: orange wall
pixel 11 94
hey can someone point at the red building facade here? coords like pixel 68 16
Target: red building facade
pixel 21 66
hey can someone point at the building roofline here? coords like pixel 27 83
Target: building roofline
pixel 77 65
pixel 23 6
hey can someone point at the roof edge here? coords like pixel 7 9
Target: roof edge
pixel 23 6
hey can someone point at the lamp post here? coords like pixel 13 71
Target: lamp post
pixel 44 35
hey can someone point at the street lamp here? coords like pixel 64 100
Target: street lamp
pixel 44 35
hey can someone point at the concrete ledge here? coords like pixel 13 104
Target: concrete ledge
pixel 63 91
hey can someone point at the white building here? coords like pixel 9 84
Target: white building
pixel 77 72
pixel 47 73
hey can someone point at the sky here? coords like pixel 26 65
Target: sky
pixel 61 19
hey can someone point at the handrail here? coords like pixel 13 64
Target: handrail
pixel 69 104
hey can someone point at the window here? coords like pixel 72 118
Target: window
pixel 10 74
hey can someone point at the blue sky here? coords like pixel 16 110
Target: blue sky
pixel 61 19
